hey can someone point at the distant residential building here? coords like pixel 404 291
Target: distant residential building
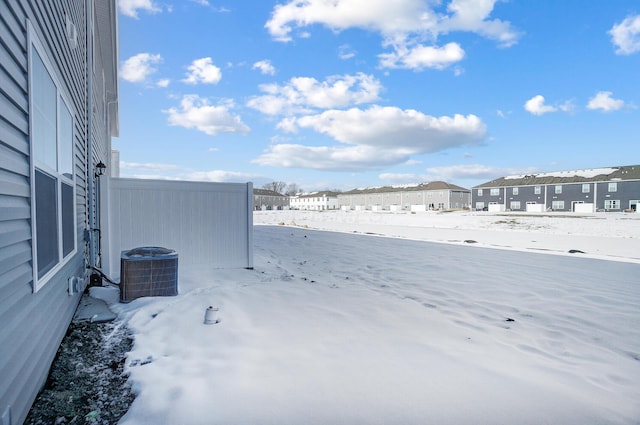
pixel 437 195
pixel 589 190
pixel 264 199
pixel 316 201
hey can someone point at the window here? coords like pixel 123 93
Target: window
pixel 514 205
pixel 479 205
pixel 586 188
pixel 557 205
pixel 515 190
pixel 613 187
pixel 479 192
pixel 611 204
pixel 558 189
pixel 440 206
pixel 537 190
pixel 53 188
pixel 495 192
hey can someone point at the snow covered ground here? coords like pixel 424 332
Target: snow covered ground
pixel 343 326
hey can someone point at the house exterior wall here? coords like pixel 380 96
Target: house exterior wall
pixel 625 197
pixel 35 312
pixel 205 223
pixel 571 193
pixel 270 202
pixel 482 198
pixel 431 199
pixel 627 193
pixel 459 199
pixel 314 202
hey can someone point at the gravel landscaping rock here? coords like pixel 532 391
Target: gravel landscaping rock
pixel 86 383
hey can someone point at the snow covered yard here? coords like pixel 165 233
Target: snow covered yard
pixel 346 328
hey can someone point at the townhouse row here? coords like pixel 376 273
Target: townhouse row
pixel 589 190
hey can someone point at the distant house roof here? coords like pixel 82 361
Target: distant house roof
pixel 327 193
pixel 437 185
pixel 266 192
pixel 627 172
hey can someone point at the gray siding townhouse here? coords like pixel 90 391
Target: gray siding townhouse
pixel 437 195
pixel 269 200
pixel 589 190
pixel 58 112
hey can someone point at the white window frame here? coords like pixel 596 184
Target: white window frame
pixel 558 189
pixel 613 187
pixel 586 188
pixel 480 192
pixel 537 190
pixel 495 192
pixel 514 205
pixel 515 191
pixel 479 205
pixel 557 205
pixel 35 46
pixel 611 204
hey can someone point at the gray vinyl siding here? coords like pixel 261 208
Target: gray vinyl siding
pixel 526 194
pixel 627 190
pixel 570 193
pixel 487 197
pixel 33 324
pixel 434 199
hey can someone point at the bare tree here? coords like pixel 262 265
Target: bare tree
pixel 293 189
pixel 275 186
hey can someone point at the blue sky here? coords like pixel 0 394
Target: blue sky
pixel 339 94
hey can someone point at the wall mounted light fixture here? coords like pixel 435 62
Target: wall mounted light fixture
pixel 100 169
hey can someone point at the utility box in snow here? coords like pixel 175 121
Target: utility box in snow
pixel 148 272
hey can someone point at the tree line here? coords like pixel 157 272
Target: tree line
pixel 283 188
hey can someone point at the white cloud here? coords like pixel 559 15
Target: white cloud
pixel 626 35
pixel 148 166
pixel 336 158
pixel 401 23
pixel 163 83
pixel 473 171
pixel 176 172
pixel 265 67
pixel 301 94
pixel 420 57
pixel 567 106
pixel 378 136
pixel 450 173
pixel 138 68
pixel 536 106
pixel 345 52
pixel 472 16
pixel 196 113
pixel 401 178
pixel 203 71
pixel 221 176
pixel 131 7
pixel 603 101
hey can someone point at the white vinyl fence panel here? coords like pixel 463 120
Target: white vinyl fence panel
pixel 205 223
